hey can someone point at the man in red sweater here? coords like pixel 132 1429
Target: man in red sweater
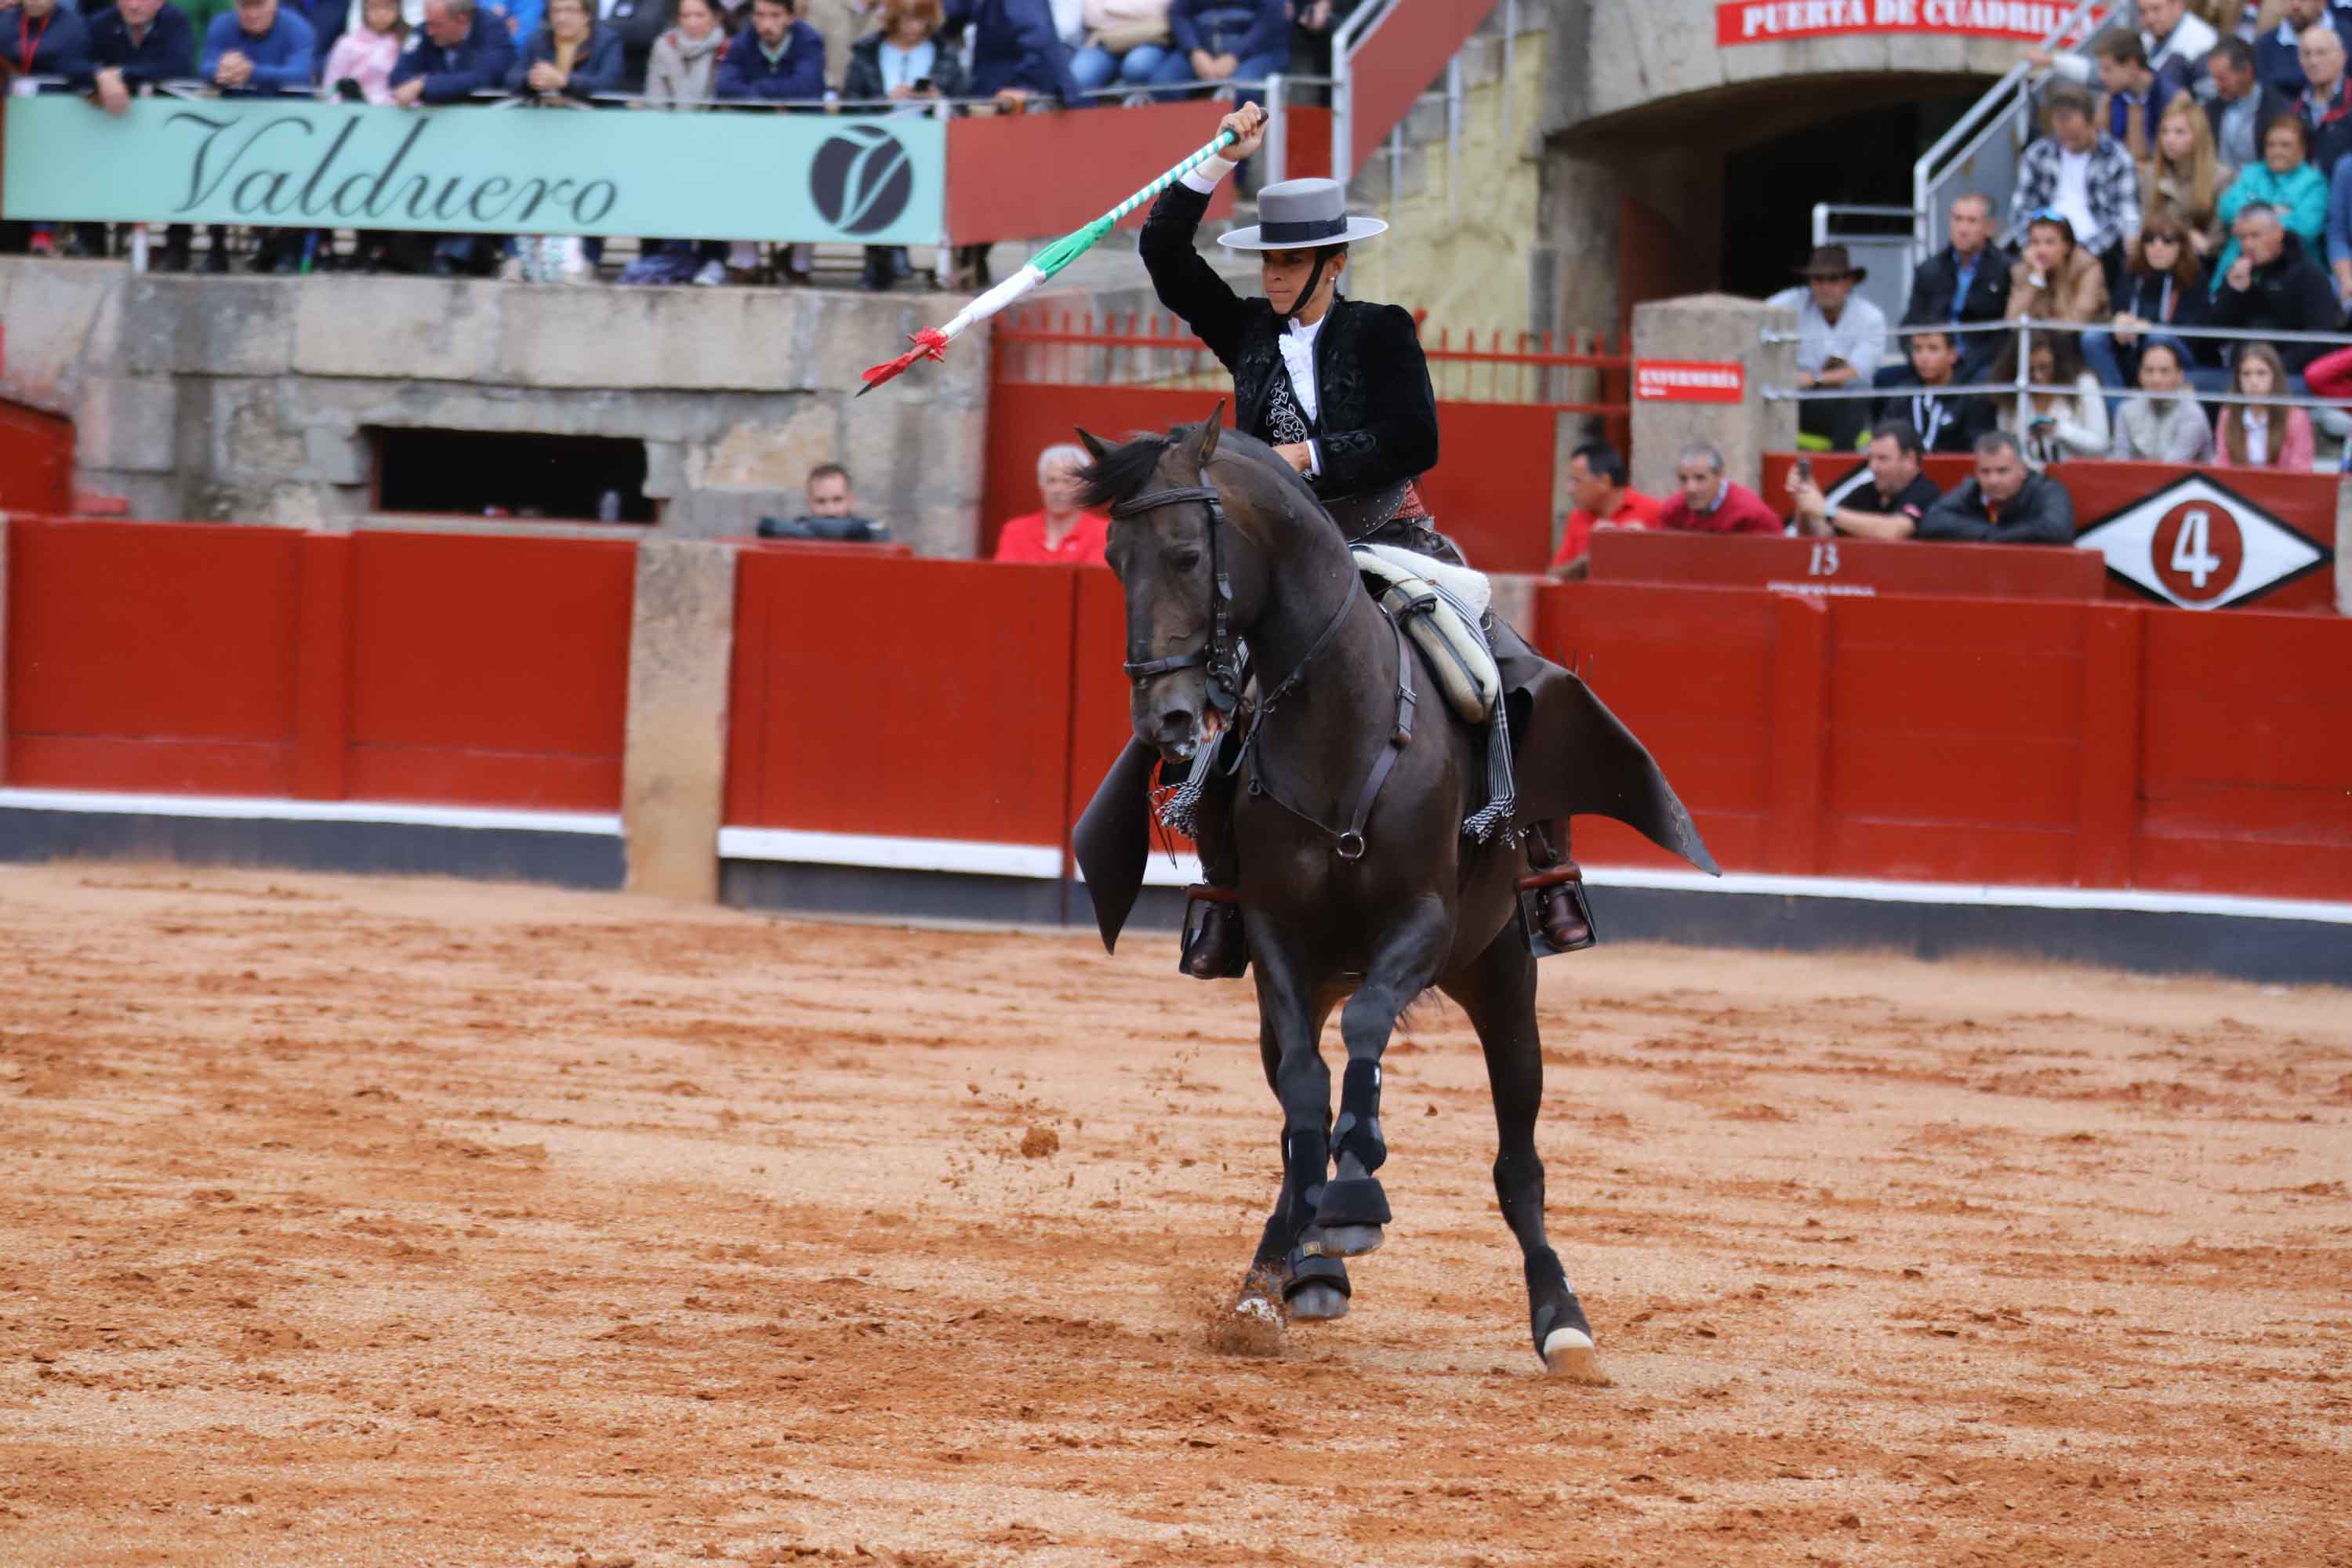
pixel 1710 503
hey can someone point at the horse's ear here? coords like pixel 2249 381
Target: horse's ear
pixel 1095 444
pixel 1211 428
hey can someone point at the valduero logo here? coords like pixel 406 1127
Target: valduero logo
pixel 861 180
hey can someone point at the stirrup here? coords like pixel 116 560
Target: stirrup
pixel 1530 888
pixel 1197 902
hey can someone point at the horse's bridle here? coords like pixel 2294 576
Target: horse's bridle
pixel 1220 656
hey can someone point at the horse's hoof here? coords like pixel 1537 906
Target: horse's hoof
pixel 1342 1241
pixel 1318 1303
pixel 1569 1353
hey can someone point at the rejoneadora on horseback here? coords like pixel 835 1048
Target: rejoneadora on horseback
pixel 1323 702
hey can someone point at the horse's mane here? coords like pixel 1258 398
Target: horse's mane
pixel 1125 469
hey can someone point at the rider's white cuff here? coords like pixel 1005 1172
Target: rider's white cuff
pixel 1209 176
pixel 1315 459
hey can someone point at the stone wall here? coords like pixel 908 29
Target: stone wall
pixel 247 399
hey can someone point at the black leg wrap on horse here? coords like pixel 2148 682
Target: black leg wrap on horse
pixel 1552 1304
pixel 1358 1131
pixel 1306 1270
pixel 1306 1173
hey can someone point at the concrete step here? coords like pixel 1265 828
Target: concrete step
pixel 1374 185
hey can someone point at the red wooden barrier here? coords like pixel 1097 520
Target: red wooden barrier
pixel 194 659
pixel 35 460
pixel 911 698
pixel 488 670
pixel 153 658
pixel 1846 568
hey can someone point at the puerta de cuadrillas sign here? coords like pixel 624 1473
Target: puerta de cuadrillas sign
pixel 1780 21
pixel 297 163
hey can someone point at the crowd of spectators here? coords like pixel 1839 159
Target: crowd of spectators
pixel 873 55
pixel 2194 171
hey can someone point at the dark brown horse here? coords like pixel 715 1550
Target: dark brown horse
pixel 1364 926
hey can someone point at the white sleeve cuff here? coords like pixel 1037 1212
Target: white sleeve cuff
pixel 1209 176
pixel 1315 459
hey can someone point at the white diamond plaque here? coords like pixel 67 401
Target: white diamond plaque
pixel 2198 545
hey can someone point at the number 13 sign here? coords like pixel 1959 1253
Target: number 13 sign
pixel 2201 547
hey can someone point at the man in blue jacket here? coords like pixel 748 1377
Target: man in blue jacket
pixel 261 47
pixel 455 54
pixel 1016 55
pixel 777 58
pixel 132 48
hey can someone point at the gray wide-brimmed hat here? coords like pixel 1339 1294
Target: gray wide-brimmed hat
pixel 1302 215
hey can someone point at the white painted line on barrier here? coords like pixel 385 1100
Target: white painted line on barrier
pixel 2135 901
pixel 1045 861
pixel 243 808
pixel 880 852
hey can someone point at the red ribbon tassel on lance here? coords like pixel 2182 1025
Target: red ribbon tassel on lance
pixel 929 343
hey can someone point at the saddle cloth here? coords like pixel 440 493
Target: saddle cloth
pixel 1441 608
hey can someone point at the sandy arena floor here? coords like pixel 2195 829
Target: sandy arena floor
pixel 357 1221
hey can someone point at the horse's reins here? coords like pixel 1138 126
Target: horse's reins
pixel 1223 664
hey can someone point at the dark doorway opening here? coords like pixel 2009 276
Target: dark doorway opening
pixel 1862 159
pixel 478 473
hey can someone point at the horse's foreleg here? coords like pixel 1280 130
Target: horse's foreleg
pixel 1354 1208
pixel 1290 1028
pixel 1498 992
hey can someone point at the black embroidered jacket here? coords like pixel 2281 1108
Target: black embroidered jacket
pixel 1377 416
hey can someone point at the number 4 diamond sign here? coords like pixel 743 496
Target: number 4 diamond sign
pixel 2196 544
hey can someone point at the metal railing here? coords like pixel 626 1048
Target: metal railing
pixel 1979 153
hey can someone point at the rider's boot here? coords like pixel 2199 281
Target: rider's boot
pixel 1214 947
pixel 1561 914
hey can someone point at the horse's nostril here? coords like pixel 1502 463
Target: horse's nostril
pixel 1177 724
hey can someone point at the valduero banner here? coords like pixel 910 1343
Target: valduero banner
pixel 295 163
pixel 1783 21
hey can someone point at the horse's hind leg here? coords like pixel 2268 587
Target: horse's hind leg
pixel 1349 1220
pixel 1290 1027
pixel 1498 992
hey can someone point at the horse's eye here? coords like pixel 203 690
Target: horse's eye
pixel 1184 560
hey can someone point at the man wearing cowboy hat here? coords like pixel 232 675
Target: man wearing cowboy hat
pixel 1840 340
pixel 1341 390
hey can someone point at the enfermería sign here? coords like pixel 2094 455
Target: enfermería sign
pixel 1780 21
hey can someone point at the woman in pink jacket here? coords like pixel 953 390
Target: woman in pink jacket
pixel 366 54
pixel 2248 436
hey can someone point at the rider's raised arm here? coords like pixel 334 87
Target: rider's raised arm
pixel 1399 439
pixel 1185 283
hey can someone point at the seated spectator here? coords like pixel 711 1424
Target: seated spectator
pixel 2184 180
pixel 2054 426
pixel 2283 181
pixel 2241 104
pixel 1840 340
pixel 2165 287
pixel 1897 501
pixel 1596 483
pixel 1016 52
pixel 44 38
pixel 2057 279
pixel 832 512
pixel 777 58
pixel 904 63
pixel 1942 418
pixel 363 57
pixel 2249 435
pixel 2278 54
pixel 570 56
pixel 133 47
pixel 1126 41
pixel 1227 40
pixel 682 67
pixel 2166 425
pixel 455 54
pixel 2325 109
pixel 2006 503
pixel 1965 282
pixel 2274 286
pixel 2082 174
pixel 1705 501
pixel 258 48
pixel 2132 94
pixel 1061 531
